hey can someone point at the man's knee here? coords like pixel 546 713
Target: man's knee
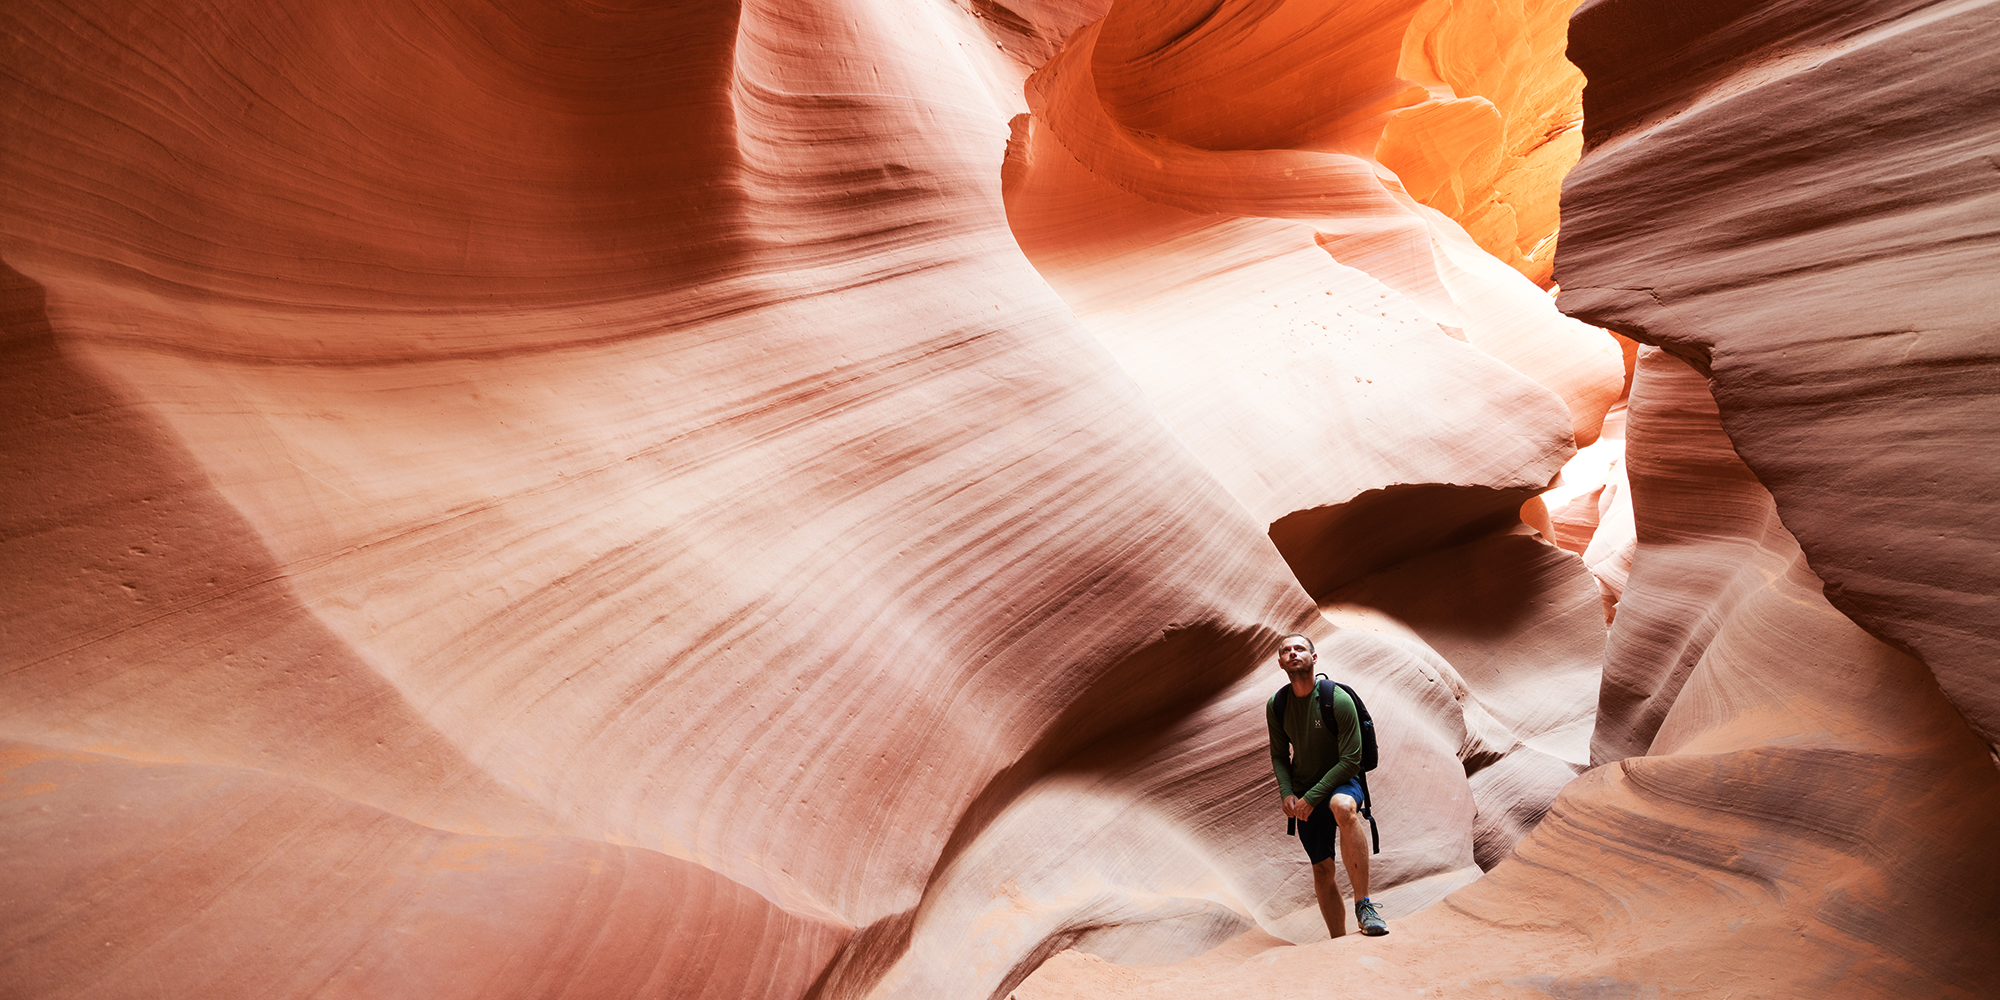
pixel 1345 810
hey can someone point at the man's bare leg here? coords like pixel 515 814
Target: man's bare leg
pixel 1354 851
pixel 1353 844
pixel 1328 890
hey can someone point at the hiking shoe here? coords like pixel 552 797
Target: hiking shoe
pixel 1371 922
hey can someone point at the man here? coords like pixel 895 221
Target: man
pixel 1318 763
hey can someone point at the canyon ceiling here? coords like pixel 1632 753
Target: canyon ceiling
pixel 548 498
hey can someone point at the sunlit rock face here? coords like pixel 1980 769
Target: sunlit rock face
pixel 1798 198
pixel 798 499
pixel 1360 376
pixel 1501 125
pixel 1515 626
pixel 1811 818
pixel 633 434
pixel 523 499
pixel 1799 791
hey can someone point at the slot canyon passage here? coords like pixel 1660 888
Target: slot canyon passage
pixel 799 498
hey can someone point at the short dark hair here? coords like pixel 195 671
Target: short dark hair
pixel 1310 648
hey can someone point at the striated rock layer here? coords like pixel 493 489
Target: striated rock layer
pixel 1514 624
pixel 1502 124
pixel 775 499
pixel 1798 198
pixel 1868 799
pixel 401 415
pixel 1191 232
pixel 1813 818
pixel 180 880
pixel 605 474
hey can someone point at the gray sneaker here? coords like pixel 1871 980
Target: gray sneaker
pixel 1371 922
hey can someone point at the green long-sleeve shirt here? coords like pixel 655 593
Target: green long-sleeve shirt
pixel 1303 751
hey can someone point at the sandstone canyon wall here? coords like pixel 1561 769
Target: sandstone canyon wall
pixel 797 499
pixel 1817 234
pixel 1814 817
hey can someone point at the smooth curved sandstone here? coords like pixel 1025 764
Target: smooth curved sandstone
pixel 1518 620
pixel 1361 217
pixel 360 903
pixel 1870 798
pixel 1363 442
pixel 1237 75
pixel 772 499
pixel 145 617
pixel 1516 623
pixel 1590 510
pixel 1813 818
pixel 1166 841
pixel 696 510
pixel 1501 128
pixel 689 541
pixel 1707 539
pixel 1797 197
pixel 1160 241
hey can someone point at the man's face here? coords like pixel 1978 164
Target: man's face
pixel 1296 657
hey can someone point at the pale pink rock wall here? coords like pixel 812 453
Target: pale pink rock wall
pixel 1797 197
pixel 503 444
pixel 1810 799
pixel 1814 818
pixel 554 423
pixel 755 500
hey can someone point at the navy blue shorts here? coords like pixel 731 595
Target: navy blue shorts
pixel 1320 831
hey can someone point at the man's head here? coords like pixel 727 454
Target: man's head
pixel 1297 656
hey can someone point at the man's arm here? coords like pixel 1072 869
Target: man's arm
pixel 1350 749
pixel 1281 748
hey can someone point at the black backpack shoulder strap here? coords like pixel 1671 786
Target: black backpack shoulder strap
pixel 1323 688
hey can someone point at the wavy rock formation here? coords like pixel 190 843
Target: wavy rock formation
pixel 133 878
pixel 1336 354
pixel 1590 511
pixel 413 423
pixel 1502 126
pixel 1812 819
pixel 1708 539
pixel 797 500
pixel 1515 625
pixel 1165 212
pixel 1798 198
pixel 1810 796
pixel 1163 843
pixel 425 475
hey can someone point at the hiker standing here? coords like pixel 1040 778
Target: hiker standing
pixel 1318 763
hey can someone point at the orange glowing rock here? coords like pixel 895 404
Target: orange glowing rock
pixel 1502 126
pixel 796 499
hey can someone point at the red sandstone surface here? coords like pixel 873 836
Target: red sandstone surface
pixel 798 499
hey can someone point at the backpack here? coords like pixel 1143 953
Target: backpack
pixel 1369 755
